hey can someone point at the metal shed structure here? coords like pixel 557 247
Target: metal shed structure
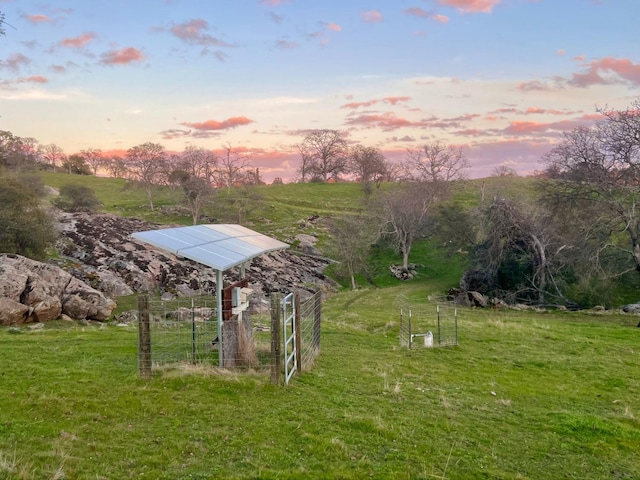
pixel 219 246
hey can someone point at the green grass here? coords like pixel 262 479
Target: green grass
pixel 525 395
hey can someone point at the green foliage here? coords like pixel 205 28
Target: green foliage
pixel 25 228
pixel 77 198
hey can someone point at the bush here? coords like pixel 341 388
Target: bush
pixel 25 228
pixel 77 198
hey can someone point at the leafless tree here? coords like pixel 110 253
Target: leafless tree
pixel 116 166
pixel 197 192
pixel 351 240
pixel 199 163
pixel 437 162
pixel 406 214
pixel 369 166
pixel 231 167
pixel 93 158
pixel 597 170
pixel 503 171
pixel 325 153
pixel 52 154
pixel 147 165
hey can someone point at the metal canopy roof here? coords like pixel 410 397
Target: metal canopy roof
pixel 221 246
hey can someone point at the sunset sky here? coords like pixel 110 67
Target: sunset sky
pixel 501 78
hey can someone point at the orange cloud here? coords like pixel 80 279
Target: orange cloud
pixel 371 16
pixel 212 125
pixel 471 6
pixel 122 57
pixel 334 26
pixel 37 18
pixel 608 71
pixel 78 42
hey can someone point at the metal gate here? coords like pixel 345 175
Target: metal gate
pixel 289 335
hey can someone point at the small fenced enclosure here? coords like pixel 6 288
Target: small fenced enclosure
pixel 432 325
pixel 186 330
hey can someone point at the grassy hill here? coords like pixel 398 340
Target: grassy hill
pixel 526 395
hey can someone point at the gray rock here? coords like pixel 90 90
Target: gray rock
pixel 12 312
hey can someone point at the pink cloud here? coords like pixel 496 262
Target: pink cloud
pixel 371 16
pixel 608 71
pixel 210 125
pixel 35 79
pixel 471 6
pixel 272 3
pixel 520 127
pixel 78 42
pixel 15 62
pixel 420 13
pixel 37 18
pixel 369 103
pixel 334 26
pixel 385 121
pixel 122 57
pixel 193 32
pixel 395 100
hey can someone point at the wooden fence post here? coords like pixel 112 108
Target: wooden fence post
pixel 276 354
pixel 144 337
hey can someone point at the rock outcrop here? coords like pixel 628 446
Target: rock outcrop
pixel 99 250
pixel 32 291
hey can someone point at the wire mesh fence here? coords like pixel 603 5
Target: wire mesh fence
pixel 435 324
pixel 186 330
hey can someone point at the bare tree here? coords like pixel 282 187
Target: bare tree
pixel 231 167
pixel 407 213
pixel 52 154
pixel 325 152
pixel 147 165
pixel 197 192
pixel 503 171
pixel 199 162
pixel 437 162
pixel 351 240
pixel 597 170
pixel 116 166
pixel 93 158
pixel 369 165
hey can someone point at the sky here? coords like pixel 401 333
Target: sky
pixel 503 79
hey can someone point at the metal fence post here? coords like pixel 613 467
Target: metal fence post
pixel 276 356
pixel 296 319
pixel 144 337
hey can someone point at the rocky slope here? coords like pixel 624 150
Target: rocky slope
pixel 98 249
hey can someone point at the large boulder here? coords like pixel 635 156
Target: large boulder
pixel 32 291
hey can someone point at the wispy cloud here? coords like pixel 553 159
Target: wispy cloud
pixel 371 16
pixel 79 41
pixel 369 103
pixel 210 125
pixel 420 13
pixel 123 56
pixel 34 19
pixel 471 6
pixel 194 32
pixel 285 45
pixel 15 62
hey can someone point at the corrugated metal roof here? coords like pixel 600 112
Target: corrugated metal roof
pixel 221 246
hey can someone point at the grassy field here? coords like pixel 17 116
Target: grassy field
pixel 524 395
